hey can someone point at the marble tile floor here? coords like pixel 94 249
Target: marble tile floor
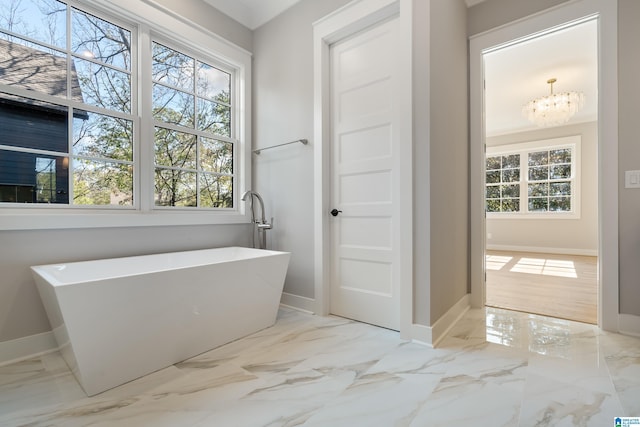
pixel 495 368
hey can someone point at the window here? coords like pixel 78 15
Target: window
pixel 549 186
pixel 535 179
pixel 503 183
pixel 100 112
pixel 69 139
pixel 193 144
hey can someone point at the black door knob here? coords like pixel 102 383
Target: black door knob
pixel 335 212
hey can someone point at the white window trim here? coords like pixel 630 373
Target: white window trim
pixel 149 17
pixel 199 56
pixel 523 148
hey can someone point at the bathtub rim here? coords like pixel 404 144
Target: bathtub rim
pixel 46 273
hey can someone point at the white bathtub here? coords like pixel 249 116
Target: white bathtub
pixel 119 319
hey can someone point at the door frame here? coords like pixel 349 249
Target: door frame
pixel 559 16
pixel 339 25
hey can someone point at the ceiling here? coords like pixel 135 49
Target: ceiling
pixel 472 2
pixel 516 74
pixel 252 13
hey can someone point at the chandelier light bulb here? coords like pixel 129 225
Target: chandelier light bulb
pixel 553 109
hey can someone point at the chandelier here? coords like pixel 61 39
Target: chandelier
pixel 553 109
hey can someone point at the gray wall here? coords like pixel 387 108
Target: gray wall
pixel 494 13
pixel 21 312
pixel 421 160
pixel 579 234
pixel 449 157
pixel 207 17
pixel 629 153
pixel 283 112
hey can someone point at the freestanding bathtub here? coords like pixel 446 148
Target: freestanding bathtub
pixel 119 319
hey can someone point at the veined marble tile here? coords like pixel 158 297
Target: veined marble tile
pixel 377 400
pixel 46 380
pixel 373 344
pixel 589 373
pixel 492 366
pixel 623 362
pixel 412 358
pixel 495 368
pixel 153 416
pixel 79 412
pixel 289 345
pixel 260 414
pixel 465 400
pixel 548 402
pixel 283 400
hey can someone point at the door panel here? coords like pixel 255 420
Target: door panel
pixel 365 144
pixel 366 231
pixel 364 151
pixel 365 102
pixel 374 187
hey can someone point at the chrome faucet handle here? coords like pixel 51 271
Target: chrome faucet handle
pixel 266 225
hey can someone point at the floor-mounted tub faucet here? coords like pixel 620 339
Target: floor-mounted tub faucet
pixel 260 224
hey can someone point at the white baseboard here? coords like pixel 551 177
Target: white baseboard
pixel 543 250
pixel 299 303
pixel 432 335
pixel 629 324
pixel 27 347
pixel 422 334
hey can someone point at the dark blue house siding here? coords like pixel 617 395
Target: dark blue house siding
pixel 32 126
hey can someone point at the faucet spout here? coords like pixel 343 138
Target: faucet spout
pixel 252 194
pixel 262 216
pixel 245 195
pixel 262 225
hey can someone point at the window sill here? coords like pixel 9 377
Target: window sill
pixel 545 216
pixel 28 219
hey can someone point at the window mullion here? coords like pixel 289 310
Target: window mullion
pixel 69 97
pixel 199 133
pixel 572 179
pixel 146 160
pixel 198 169
pixel 196 126
pixel 524 182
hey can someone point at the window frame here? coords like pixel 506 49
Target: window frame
pixel 501 182
pixel 523 149
pixel 199 57
pixel 73 105
pixel 148 21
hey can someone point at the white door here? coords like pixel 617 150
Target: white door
pixel 364 154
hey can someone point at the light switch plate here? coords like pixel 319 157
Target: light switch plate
pixel 632 179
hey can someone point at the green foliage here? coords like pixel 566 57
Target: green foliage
pixel 547 176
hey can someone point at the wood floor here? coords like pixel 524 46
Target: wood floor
pixel 563 286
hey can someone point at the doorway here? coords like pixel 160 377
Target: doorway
pixel 342 26
pixel 605 14
pixel 541 174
